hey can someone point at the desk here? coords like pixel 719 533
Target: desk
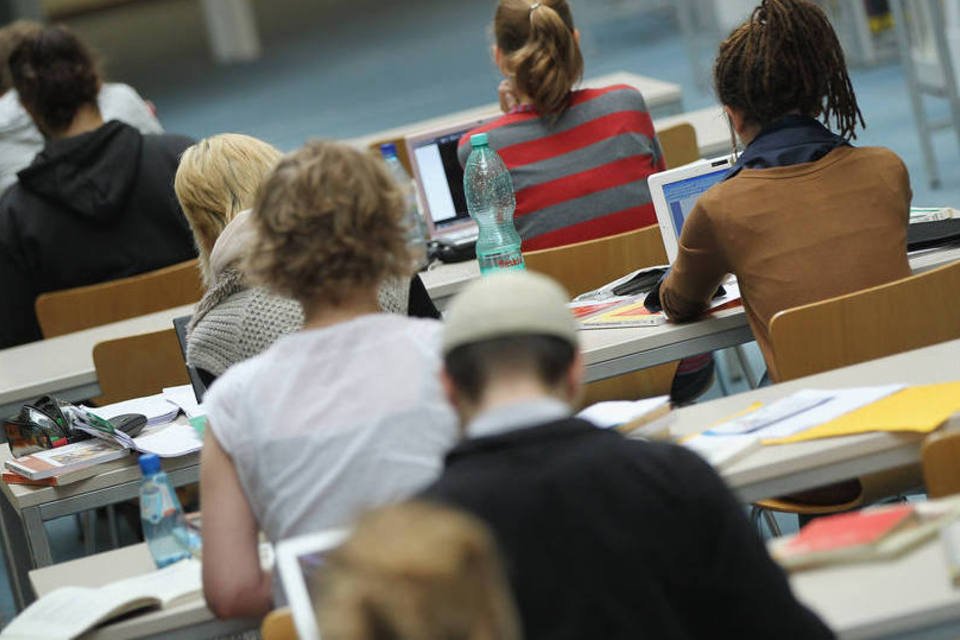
pixel 190 619
pixel 909 597
pixel 64 365
pixel 663 98
pixel 782 469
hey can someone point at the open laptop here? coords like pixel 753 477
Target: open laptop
pixel 674 193
pixel 297 562
pixel 439 177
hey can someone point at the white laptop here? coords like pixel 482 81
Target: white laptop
pixel 439 178
pixel 675 192
pixel 297 562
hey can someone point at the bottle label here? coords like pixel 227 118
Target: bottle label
pixel 155 505
pixel 501 262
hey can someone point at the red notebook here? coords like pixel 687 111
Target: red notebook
pixel 850 530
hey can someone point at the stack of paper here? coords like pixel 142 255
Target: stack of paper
pixel 627 416
pixel 185 398
pixel 156 408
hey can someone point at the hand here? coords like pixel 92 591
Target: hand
pixel 508 95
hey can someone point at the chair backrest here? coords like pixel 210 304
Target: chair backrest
pixel 278 625
pixel 138 366
pixel 69 310
pixel 587 265
pixel 940 457
pixel 679 145
pixel 906 314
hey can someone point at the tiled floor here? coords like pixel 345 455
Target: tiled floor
pixel 366 66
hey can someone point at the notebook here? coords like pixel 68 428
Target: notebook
pixel 439 178
pixel 297 562
pixel 674 193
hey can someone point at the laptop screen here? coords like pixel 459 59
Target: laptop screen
pixel 441 178
pixel 682 195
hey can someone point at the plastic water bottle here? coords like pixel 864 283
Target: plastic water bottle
pixel 164 526
pixel 416 227
pixel 490 201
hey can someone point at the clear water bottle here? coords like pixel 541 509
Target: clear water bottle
pixel 164 527
pixel 490 200
pixel 416 227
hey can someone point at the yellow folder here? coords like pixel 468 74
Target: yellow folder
pixel 919 409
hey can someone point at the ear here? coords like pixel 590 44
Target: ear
pixel 574 380
pixel 738 120
pixel 576 36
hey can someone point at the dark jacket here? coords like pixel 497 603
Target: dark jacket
pixel 605 537
pixel 90 208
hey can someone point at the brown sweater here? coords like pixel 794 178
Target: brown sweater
pixel 794 235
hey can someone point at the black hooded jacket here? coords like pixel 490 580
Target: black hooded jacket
pixel 90 208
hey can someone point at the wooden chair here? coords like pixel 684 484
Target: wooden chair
pixel 70 310
pixel 940 458
pixel 138 365
pixel 906 314
pixel 587 265
pixel 278 625
pixel 679 145
pixel 401 143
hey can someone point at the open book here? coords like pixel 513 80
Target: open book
pixel 68 612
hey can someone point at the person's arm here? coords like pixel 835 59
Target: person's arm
pixel 698 270
pixel 234 584
pixel 17 288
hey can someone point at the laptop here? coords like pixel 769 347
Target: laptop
pixel 439 177
pixel 297 562
pixel 196 377
pixel 674 193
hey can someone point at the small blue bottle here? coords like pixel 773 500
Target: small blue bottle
pixel 164 527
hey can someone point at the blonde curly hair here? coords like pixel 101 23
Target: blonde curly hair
pixel 329 221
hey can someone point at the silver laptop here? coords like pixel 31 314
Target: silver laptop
pixel 675 192
pixel 439 178
pixel 297 562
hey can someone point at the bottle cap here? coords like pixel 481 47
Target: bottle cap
pixel 478 140
pixel 149 464
pixel 388 150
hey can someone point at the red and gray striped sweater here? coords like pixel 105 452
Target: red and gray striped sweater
pixel 583 176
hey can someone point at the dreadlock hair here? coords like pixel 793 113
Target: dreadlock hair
pixel 786 58
pixel 541 50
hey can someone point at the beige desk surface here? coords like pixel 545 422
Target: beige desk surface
pixel 780 469
pixel 66 362
pixel 710 123
pixel 656 93
pixel 884 599
pixel 104 568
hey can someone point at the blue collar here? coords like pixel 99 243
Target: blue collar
pixel 791 140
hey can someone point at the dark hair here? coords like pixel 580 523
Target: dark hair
pixel 11 36
pixel 541 50
pixel 55 74
pixel 472 366
pixel 785 58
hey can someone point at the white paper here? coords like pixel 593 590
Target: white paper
pixel 607 415
pixel 185 398
pixel 170 441
pixel 720 451
pixel 156 408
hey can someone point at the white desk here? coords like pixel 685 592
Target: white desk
pixel 64 365
pixel 909 597
pixel 713 131
pixel 782 469
pixel 190 619
pixel 664 98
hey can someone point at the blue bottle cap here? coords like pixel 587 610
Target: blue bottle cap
pixel 478 140
pixel 149 464
pixel 388 150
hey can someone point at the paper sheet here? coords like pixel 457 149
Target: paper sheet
pixel 170 441
pixel 919 409
pixel 157 408
pixel 607 415
pixel 185 398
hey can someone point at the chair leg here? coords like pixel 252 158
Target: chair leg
pixel 745 365
pixel 112 526
pixel 89 520
pixel 772 523
pixel 755 513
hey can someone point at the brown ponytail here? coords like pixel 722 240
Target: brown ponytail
pixel 787 58
pixel 537 39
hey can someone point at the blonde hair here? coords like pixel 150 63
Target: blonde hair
pixel 541 50
pixel 415 571
pixel 329 221
pixel 218 178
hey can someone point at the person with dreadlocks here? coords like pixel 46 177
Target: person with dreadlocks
pixel 803 215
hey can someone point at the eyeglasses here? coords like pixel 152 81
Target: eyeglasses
pixel 37 427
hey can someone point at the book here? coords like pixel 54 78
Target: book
pixel 68 477
pixel 66 459
pixel 628 416
pixel 628 314
pixel 68 612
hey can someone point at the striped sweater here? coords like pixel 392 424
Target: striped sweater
pixel 584 176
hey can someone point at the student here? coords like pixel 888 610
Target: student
pixel 21 141
pixel 96 204
pixel 419 571
pixel 344 415
pixel 216 183
pixel 579 159
pixel 803 215
pixel 602 536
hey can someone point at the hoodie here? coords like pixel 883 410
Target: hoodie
pixel 90 208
